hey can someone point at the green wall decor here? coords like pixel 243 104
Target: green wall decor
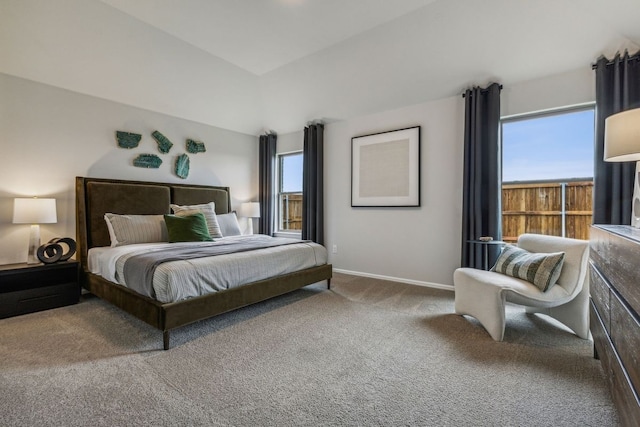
pixel 128 139
pixel 147 161
pixel 195 146
pixel 164 145
pixel 182 166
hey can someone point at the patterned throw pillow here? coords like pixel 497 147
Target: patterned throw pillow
pixel 206 209
pixel 541 269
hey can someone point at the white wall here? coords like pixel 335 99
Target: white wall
pixel 417 245
pixel 50 135
pixel 420 244
pixel 90 47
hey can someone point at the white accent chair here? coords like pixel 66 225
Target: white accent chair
pixel 483 294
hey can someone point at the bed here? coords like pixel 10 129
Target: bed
pixel 96 196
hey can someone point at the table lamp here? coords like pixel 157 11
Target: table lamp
pixel 250 210
pixel 622 144
pixel 34 211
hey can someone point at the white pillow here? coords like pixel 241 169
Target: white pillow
pixel 229 224
pixel 206 209
pixel 130 229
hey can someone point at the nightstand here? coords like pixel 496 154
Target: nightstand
pixel 25 288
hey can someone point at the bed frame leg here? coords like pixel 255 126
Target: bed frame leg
pixel 328 283
pixel 165 339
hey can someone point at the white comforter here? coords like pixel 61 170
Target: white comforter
pixel 179 280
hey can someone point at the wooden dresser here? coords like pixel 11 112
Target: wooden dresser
pixel 615 307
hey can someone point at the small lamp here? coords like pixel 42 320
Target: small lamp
pixel 622 144
pixel 250 210
pixel 34 211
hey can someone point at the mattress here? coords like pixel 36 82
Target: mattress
pixel 179 280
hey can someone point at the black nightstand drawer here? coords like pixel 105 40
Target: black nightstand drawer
pixel 31 300
pixel 18 277
pixel 28 288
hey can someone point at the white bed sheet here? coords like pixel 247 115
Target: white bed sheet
pixel 178 280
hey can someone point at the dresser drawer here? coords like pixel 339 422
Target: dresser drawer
pixel 624 397
pixel 601 295
pixel 617 258
pixel 603 347
pixel 625 335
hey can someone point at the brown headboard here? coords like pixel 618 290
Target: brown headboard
pixel 97 196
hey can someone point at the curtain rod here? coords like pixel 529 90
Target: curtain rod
pixel 482 91
pixel 635 57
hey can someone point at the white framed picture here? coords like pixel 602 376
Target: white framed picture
pixel 385 168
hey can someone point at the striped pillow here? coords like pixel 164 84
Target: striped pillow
pixel 541 269
pixel 130 229
pixel 206 209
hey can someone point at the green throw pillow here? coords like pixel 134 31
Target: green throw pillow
pixel 190 228
pixel 541 269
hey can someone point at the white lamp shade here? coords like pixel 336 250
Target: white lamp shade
pixel 622 136
pixel 250 210
pixel 34 211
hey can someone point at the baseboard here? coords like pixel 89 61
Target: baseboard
pixel 396 279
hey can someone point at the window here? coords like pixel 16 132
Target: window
pixel 289 211
pixel 547 173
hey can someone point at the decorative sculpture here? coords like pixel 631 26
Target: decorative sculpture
pixel 53 252
pixel 149 161
pixel 195 146
pixel 164 145
pixel 182 166
pixel 128 139
pixel 49 253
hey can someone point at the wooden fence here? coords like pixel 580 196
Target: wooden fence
pixel 539 208
pixel 291 206
pixel 527 207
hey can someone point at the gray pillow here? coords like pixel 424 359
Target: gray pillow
pixel 130 229
pixel 541 269
pixel 229 224
pixel 207 209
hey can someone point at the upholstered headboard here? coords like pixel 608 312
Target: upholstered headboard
pixel 97 196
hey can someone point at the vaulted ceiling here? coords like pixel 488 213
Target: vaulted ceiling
pixel 249 65
pixel 261 36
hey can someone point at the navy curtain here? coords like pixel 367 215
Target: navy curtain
pixel 617 89
pixel 266 196
pixel 312 184
pixel 481 214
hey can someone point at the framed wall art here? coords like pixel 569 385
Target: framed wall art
pixel 385 168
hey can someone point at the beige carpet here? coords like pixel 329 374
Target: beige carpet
pixel 367 352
